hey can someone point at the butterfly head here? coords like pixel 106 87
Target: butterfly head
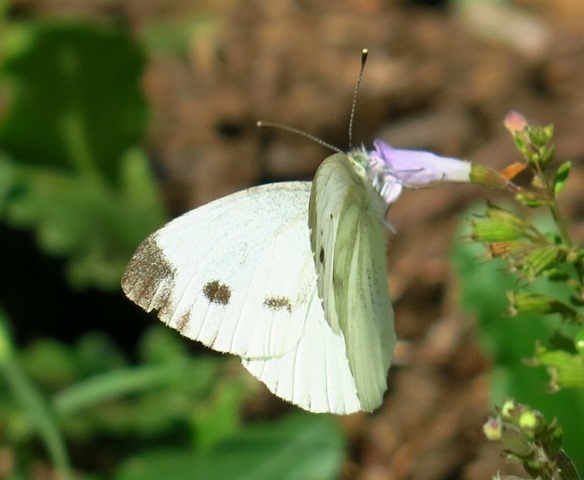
pixel 390 169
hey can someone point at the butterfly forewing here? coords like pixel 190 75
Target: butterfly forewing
pixel 233 274
pixel 346 219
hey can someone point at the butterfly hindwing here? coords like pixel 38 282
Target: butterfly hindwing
pixel 315 374
pixel 346 219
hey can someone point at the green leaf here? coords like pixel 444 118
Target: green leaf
pixel 76 101
pixel 160 345
pixel 49 363
pixel 75 115
pixel 299 447
pixel 96 353
pixel 86 220
pixel 131 381
pixel 220 418
pixel 561 177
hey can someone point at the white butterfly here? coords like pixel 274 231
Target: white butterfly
pixel 291 276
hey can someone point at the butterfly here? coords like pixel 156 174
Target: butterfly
pixel 289 276
pixel 292 276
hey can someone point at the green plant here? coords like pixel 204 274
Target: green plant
pixel 536 275
pixel 71 169
pixel 170 416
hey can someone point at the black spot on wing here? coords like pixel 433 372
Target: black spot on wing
pixel 278 303
pixel 321 255
pixel 217 292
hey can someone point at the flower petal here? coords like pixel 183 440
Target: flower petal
pixel 416 168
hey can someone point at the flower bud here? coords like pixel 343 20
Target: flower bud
pixel 516 442
pixel 494 231
pixel 540 259
pixel 500 214
pixel 525 302
pixel 508 410
pixel 531 421
pixel 515 122
pixel 493 429
pixel 540 136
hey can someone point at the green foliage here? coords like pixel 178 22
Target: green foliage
pixel 179 415
pixel 71 170
pixel 510 342
pixel 531 441
pixel 536 274
pixel 76 104
pixel 299 447
pixel 34 416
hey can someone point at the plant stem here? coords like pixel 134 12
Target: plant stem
pixel 566 238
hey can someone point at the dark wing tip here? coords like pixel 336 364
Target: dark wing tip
pixel 149 277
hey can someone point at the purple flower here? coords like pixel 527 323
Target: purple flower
pixel 391 169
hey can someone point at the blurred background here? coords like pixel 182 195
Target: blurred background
pixel 117 116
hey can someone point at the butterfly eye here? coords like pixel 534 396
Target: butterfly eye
pixel 217 292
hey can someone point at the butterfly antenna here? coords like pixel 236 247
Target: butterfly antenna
pixel 263 124
pixel 364 54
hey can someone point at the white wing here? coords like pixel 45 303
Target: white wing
pixel 316 374
pixel 238 275
pixel 232 274
pixel 346 218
